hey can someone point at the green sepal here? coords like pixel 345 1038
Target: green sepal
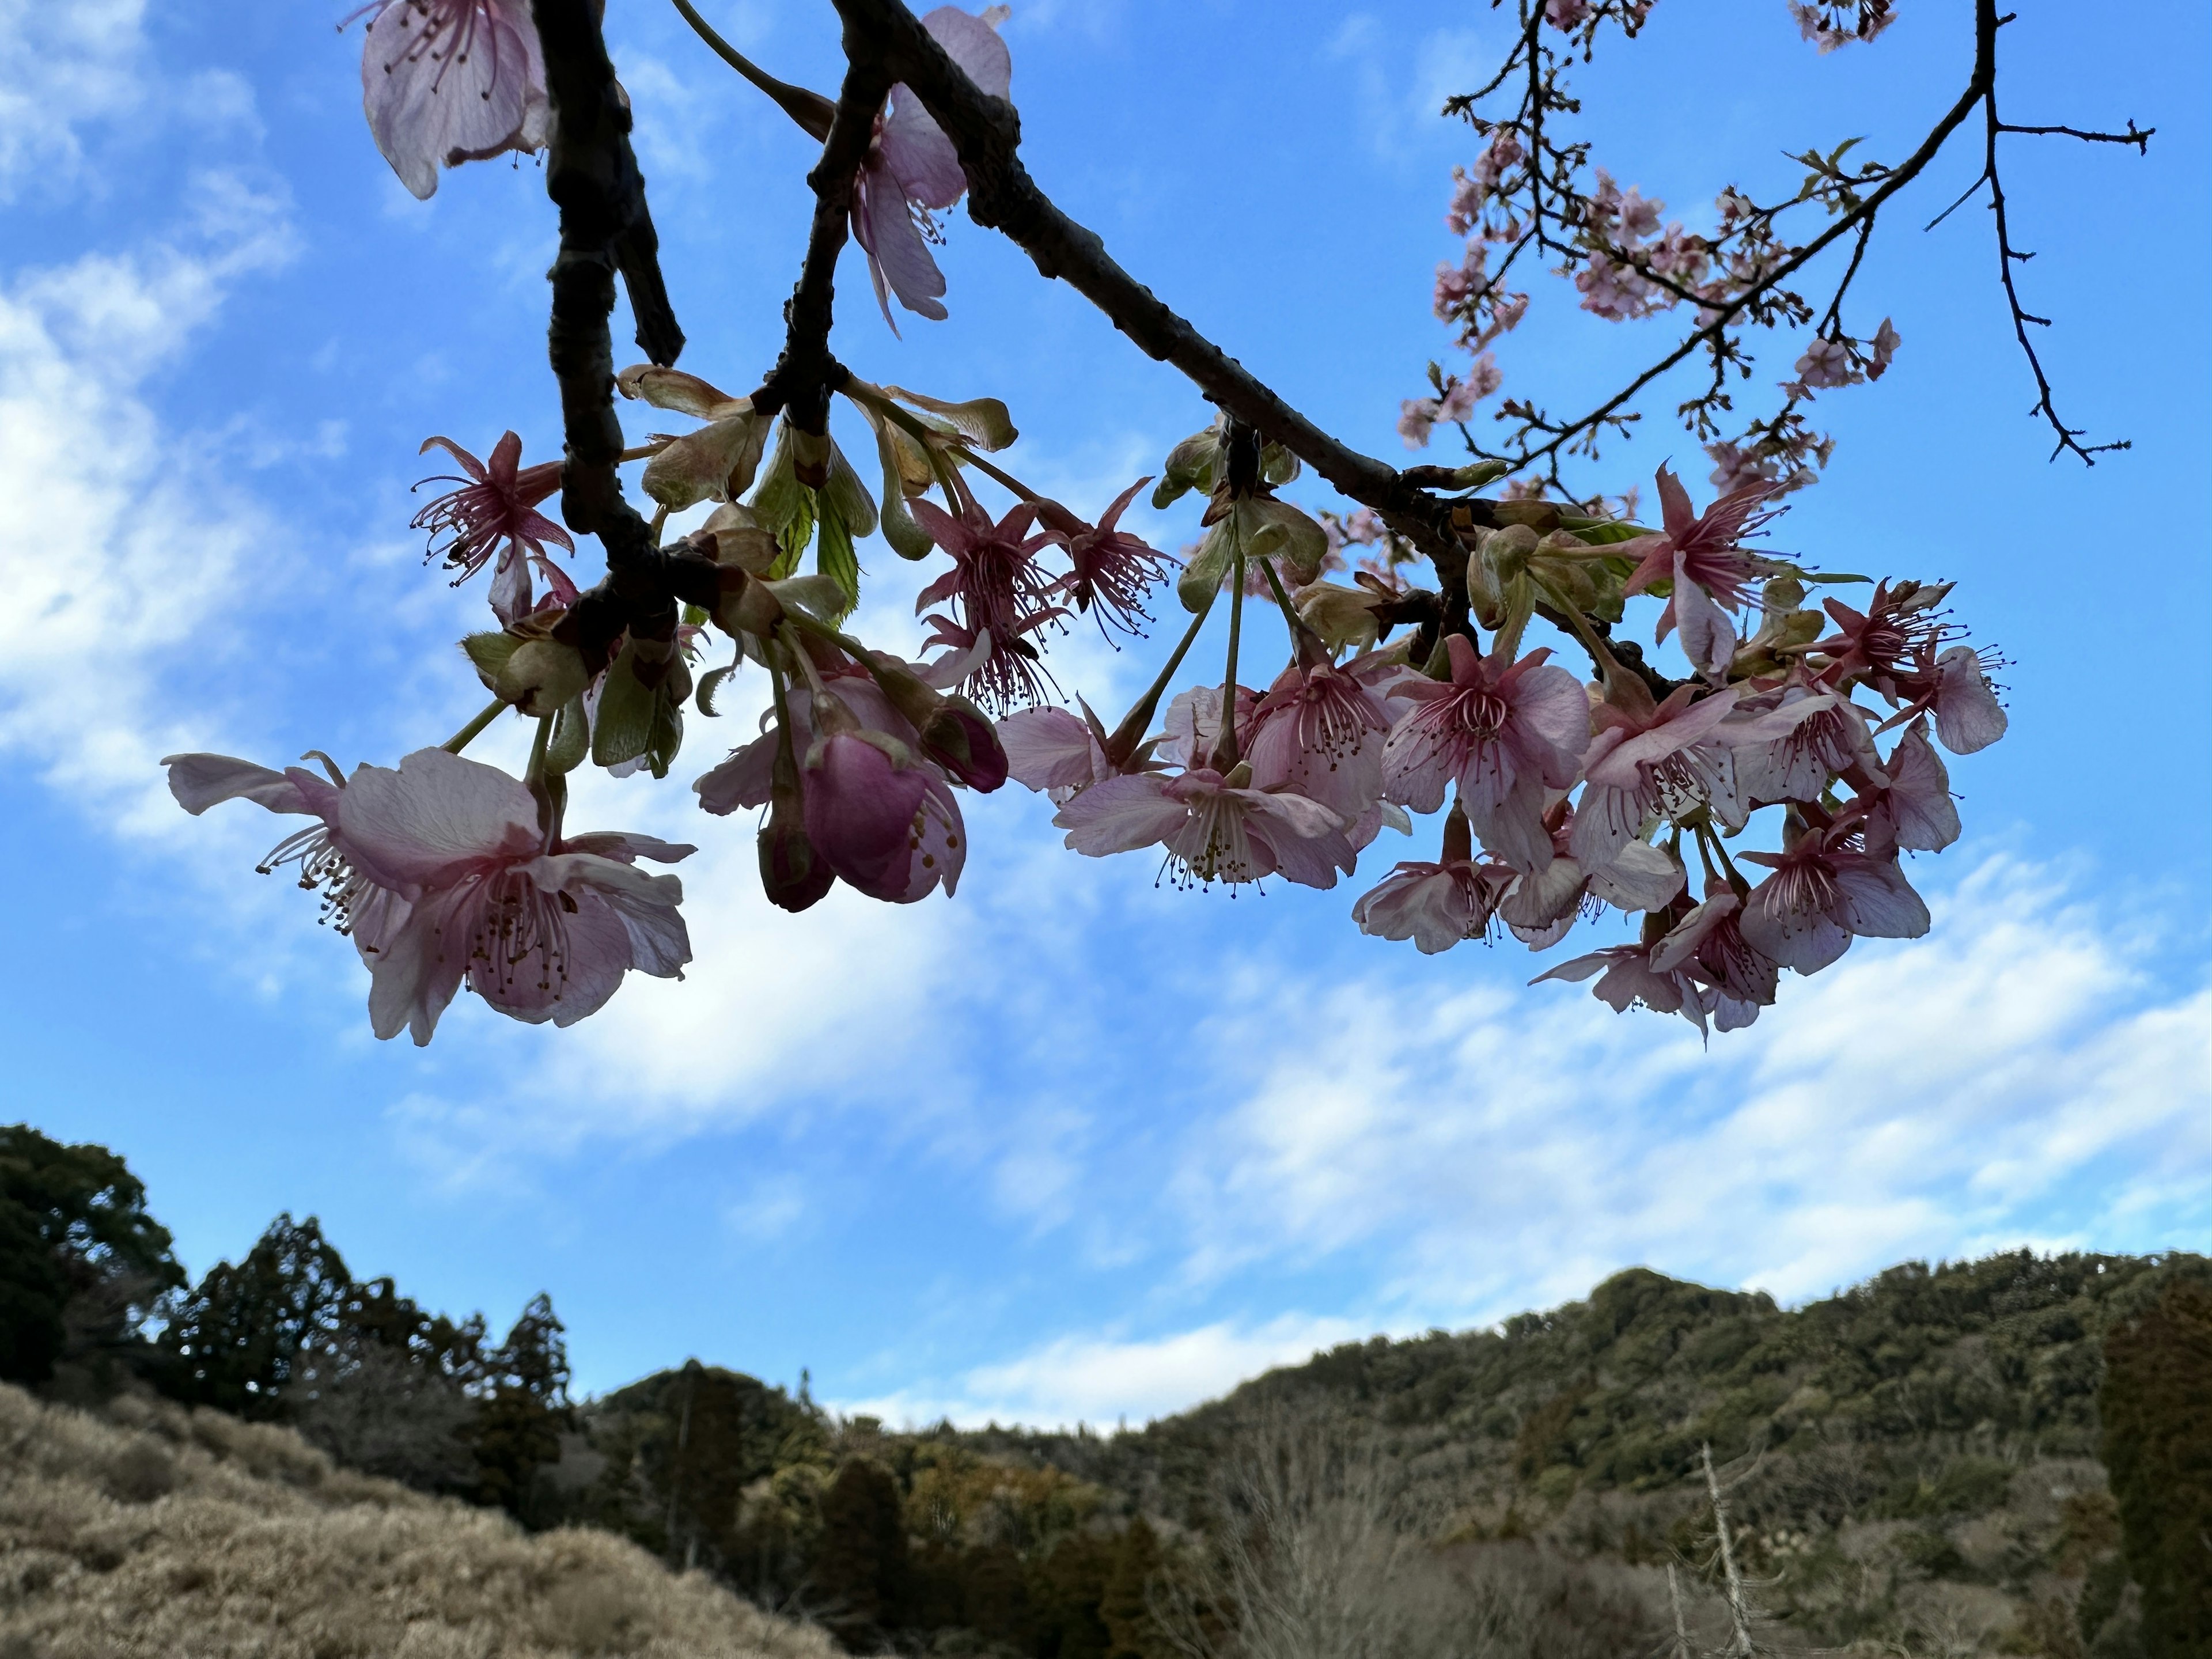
pixel 490 653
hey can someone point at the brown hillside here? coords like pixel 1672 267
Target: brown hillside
pixel 159 1532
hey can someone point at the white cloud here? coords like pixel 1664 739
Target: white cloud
pixel 1399 92
pixel 118 547
pixel 1507 1147
pixel 1103 1379
pixel 61 66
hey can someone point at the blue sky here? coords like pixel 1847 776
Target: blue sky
pixel 1071 1145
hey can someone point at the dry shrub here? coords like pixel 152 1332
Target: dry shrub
pixel 164 1534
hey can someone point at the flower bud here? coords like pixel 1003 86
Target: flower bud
pixel 793 874
pixel 541 677
pixel 959 738
pixel 1507 550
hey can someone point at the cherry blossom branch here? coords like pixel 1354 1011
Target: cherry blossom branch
pixel 1722 312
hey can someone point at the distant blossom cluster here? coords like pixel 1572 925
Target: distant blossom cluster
pixel 1559 797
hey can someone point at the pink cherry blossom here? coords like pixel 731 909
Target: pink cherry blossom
pixel 874 805
pixel 443 872
pixel 493 514
pixel 1111 570
pixel 1214 830
pixel 355 901
pixel 1711 573
pixel 1709 944
pixel 1822 737
pixel 1968 717
pixel 1503 733
pixel 1647 758
pixel 1053 752
pixel 449 81
pixel 1320 733
pixel 1435 905
pixel 997 588
pixel 1416 417
pixel 1822 893
pixel 1909 795
pixel 1626 978
pixel 913 170
pixel 1544 903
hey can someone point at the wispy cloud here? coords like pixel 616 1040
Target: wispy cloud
pixel 2016 1074
pixel 1104 1379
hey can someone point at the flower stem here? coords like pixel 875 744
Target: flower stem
pixel 1131 732
pixel 548 790
pixel 1224 745
pixel 810 109
pixel 468 734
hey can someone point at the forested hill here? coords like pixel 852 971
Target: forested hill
pixel 1911 1465
pixel 2005 1457
pixel 2002 1356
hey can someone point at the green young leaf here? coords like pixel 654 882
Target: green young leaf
pixel 624 725
pixel 571 740
pixel 798 531
pixel 1837 577
pixel 666 736
pixel 834 557
pixel 785 506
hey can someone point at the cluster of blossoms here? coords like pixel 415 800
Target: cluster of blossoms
pixel 1524 197
pixel 1560 799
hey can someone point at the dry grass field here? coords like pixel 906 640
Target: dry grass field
pixel 155 1532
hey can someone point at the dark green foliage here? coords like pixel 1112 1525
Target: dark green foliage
pixel 2156 1406
pixel 522 1405
pixel 860 1566
pixel 81 1263
pixel 244 1335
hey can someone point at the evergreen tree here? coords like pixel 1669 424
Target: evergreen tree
pixel 1126 1608
pixel 860 1566
pixel 2156 1406
pixel 523 1405
pixel 249 1337
pixel 81 1263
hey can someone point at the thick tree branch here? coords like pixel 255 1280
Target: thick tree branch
pixel 1002 197
pixel 592 176
pixel 806 375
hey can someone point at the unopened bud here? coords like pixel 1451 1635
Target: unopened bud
pixel 960 738
pixel 541 677
pixel 1506 551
